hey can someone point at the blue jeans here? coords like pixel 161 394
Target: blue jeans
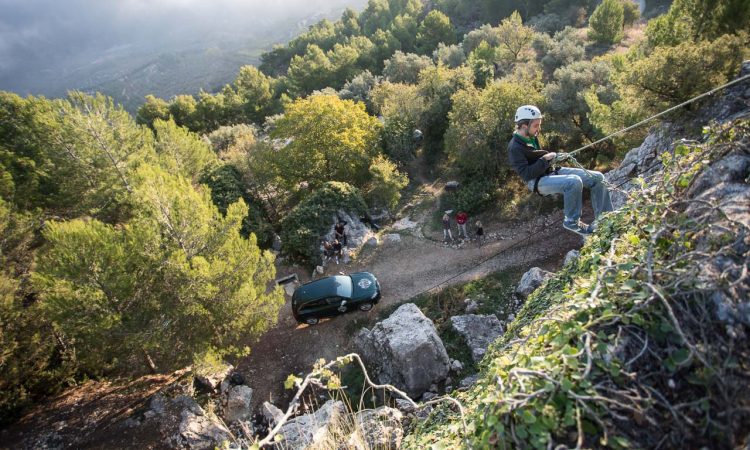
pixel 570 182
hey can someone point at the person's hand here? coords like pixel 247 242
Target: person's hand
pixel 549 156
pixel 561 157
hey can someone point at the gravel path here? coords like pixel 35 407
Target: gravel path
pixel 405 269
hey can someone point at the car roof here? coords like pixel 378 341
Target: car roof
pixel 324 287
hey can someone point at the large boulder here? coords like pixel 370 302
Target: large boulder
pixel 314 429
pixel 478 331
pixel 404 350
pixel 357 233
pixel 239 399
pixel 531 280
pixel 182 423
pixel 377 428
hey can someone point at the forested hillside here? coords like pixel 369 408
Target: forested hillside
pixel 135 244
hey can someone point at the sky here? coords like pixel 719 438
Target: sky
pixel 40 34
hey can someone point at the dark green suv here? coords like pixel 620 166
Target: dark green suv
pixel 335 295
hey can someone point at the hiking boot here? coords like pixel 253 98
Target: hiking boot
pixel 579 228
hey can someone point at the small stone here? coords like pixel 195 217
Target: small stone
pixel 448 389
pixel 671 384
pixel 427 396
pixel 456 366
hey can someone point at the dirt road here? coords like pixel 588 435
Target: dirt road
pixel 405 269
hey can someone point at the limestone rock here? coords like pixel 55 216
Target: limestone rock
pixel 531 280
pixel 312 429
pixel 239 400
pixel 379 428
pixel 479 332
pixel 405 350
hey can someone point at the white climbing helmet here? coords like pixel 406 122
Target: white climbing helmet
pixel 528 112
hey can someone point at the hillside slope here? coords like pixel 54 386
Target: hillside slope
pixel 642 342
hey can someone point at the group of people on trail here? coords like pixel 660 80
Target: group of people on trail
pixel 461 220
pixel 334 249
pixel 538 169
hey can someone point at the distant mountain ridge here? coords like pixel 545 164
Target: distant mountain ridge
pixel 131 71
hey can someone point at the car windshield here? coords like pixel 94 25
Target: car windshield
pixel 343 286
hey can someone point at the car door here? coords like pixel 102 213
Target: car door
pixel 336 305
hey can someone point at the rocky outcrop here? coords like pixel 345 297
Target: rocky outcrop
pixel 531 280
pixel 478 331
pixel 405 350
pixel 210 380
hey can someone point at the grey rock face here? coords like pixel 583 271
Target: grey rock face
pixel 571 256
pixel 379 428
pixel 356 232
pixel 531 280
pixel 405 350
pixel 478 331
pixel 271 413
pixel 239 399
pixel 312 429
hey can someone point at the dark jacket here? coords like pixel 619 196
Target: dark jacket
pixel 526 160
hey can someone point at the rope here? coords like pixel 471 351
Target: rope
pixel 666 111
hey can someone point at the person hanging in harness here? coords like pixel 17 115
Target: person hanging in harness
pixel 538 170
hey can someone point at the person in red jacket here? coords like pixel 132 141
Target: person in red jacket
pixel 461 219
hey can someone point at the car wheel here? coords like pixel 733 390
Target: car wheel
pixel 312 320
pixel 365 306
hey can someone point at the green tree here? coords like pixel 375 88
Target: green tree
pixel 254 91
pixel 182 110
pixel 405 68
pixel 515 38
pixel 451 56
pixel 401 106
pixel 181 151
pixel 566 47
pixel 329 139
pixel 434 29
pixel 177 280
pixel 485 33
pixel 606 23
pixel 386 183
pixel 404 28
pixel 309 72
pixel 668 76
pixel 303 227
pixel 437 86
pixel 348 25
pixel 376 16
pixel 481 124
pixel 153 108
pixel 631 12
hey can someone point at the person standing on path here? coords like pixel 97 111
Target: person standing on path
pixel 447 227
pixel 340 233
pixel 536 168
pixel 461 219
pixel 480 232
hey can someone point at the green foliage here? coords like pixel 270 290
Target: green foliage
pixel 434 29
pixel 451 56
pixel 631 12
pixel 386 183
pixel 698 20
pixel 668 76
pixel 606 23
pixel 473 197
pixel 481 124
pixel 566 47
pixel 563 372
pixel 182 152
pixel 405 68
pixel 303 227
pixel 153 108
pixel 182 109
pixel 178 279
pixel 566 109
pixel 485 33
pixel 437 86
pixel 254 92
pixel 515 39
pixel 401 107
pixel 226 188
pixel 329 139
pixel 359 87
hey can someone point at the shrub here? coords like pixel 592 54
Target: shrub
pixel 387 182
pixel 302 228
pixel 606 22
pixel 473 197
